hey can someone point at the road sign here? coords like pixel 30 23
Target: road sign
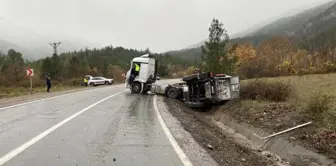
pixel 30 72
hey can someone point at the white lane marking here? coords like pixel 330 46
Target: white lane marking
pixel 183 157
pixel 24 146
pixel 35 101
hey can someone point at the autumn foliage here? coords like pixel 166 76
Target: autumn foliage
pixel 280 56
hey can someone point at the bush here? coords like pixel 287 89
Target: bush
pixel 263 90
pixel 319 104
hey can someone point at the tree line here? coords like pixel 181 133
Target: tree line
pixel 264 57
pixel 268 57
pixel 109 62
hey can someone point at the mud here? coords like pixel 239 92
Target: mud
pixel 275 117
pixel 224 149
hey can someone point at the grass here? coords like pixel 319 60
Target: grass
pixel 39 85
pixel 265 90
pixel 306 85
pixel 312 98
pixel 313 94
pixel 6 92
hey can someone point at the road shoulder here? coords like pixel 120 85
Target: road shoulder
pixel 196 154
pixel 223 147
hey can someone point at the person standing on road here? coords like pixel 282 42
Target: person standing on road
pixel 86 81
pixel 48 83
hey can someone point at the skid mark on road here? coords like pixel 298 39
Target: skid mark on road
pixel 21 148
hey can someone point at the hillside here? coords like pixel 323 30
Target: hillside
pixel 304 26
pixel 5 46
pixel 32 44
pixel 190 54
pixel 292 24
pixel 322 22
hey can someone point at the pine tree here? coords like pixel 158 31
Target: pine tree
pixel 215 58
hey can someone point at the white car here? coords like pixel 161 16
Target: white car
pixel 108 81
pixel 94 81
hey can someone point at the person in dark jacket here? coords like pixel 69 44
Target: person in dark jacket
pixel 48 83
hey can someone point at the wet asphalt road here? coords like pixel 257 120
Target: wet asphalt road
pixel 120 130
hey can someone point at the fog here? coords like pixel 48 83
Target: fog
pixel 160 25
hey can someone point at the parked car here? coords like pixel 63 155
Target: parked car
pixel 94 81
pixel 108 81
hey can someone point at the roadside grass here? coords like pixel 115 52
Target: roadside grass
pixel 8 92
pixel 311 95
pixel 305 86
pixel 311 98
pixel 39 86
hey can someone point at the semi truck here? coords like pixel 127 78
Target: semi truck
pixel 195 90
pixel 142 81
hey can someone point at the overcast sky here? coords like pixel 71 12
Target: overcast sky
pixel 160 25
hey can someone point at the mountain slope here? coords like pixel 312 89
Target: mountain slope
pixel 307 25
pixel 292 24
pixel 33 45
pixel 320 23
pixel 5 46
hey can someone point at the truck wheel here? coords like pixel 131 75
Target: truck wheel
pixel 195 104
pixel 172 93
pixel 190 77
pixel 136 87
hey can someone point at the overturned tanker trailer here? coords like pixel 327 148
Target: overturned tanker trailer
pixel 198 90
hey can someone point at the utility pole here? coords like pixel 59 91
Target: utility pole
pixel 55 45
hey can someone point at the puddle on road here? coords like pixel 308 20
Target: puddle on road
pixel 279 146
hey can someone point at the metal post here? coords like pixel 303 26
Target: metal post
pixel 287 130
pixel 31 84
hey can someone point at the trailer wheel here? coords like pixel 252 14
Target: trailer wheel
pixel 172 93
pixel 136 87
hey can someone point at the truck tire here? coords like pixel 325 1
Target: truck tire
pixel 145 90
pixel 200 76
pixel 136 87
pixel 195 104
pixel 172 93
pixel 190 78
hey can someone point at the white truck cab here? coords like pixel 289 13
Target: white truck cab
pixel 142 81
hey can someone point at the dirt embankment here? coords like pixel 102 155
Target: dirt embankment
pixel 222 147
pixel 275 117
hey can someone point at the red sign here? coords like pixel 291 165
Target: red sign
pixel 30 72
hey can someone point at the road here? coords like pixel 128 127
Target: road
pixel 103 126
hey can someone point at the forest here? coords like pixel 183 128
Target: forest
pixel 109 62
pixel 270 57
